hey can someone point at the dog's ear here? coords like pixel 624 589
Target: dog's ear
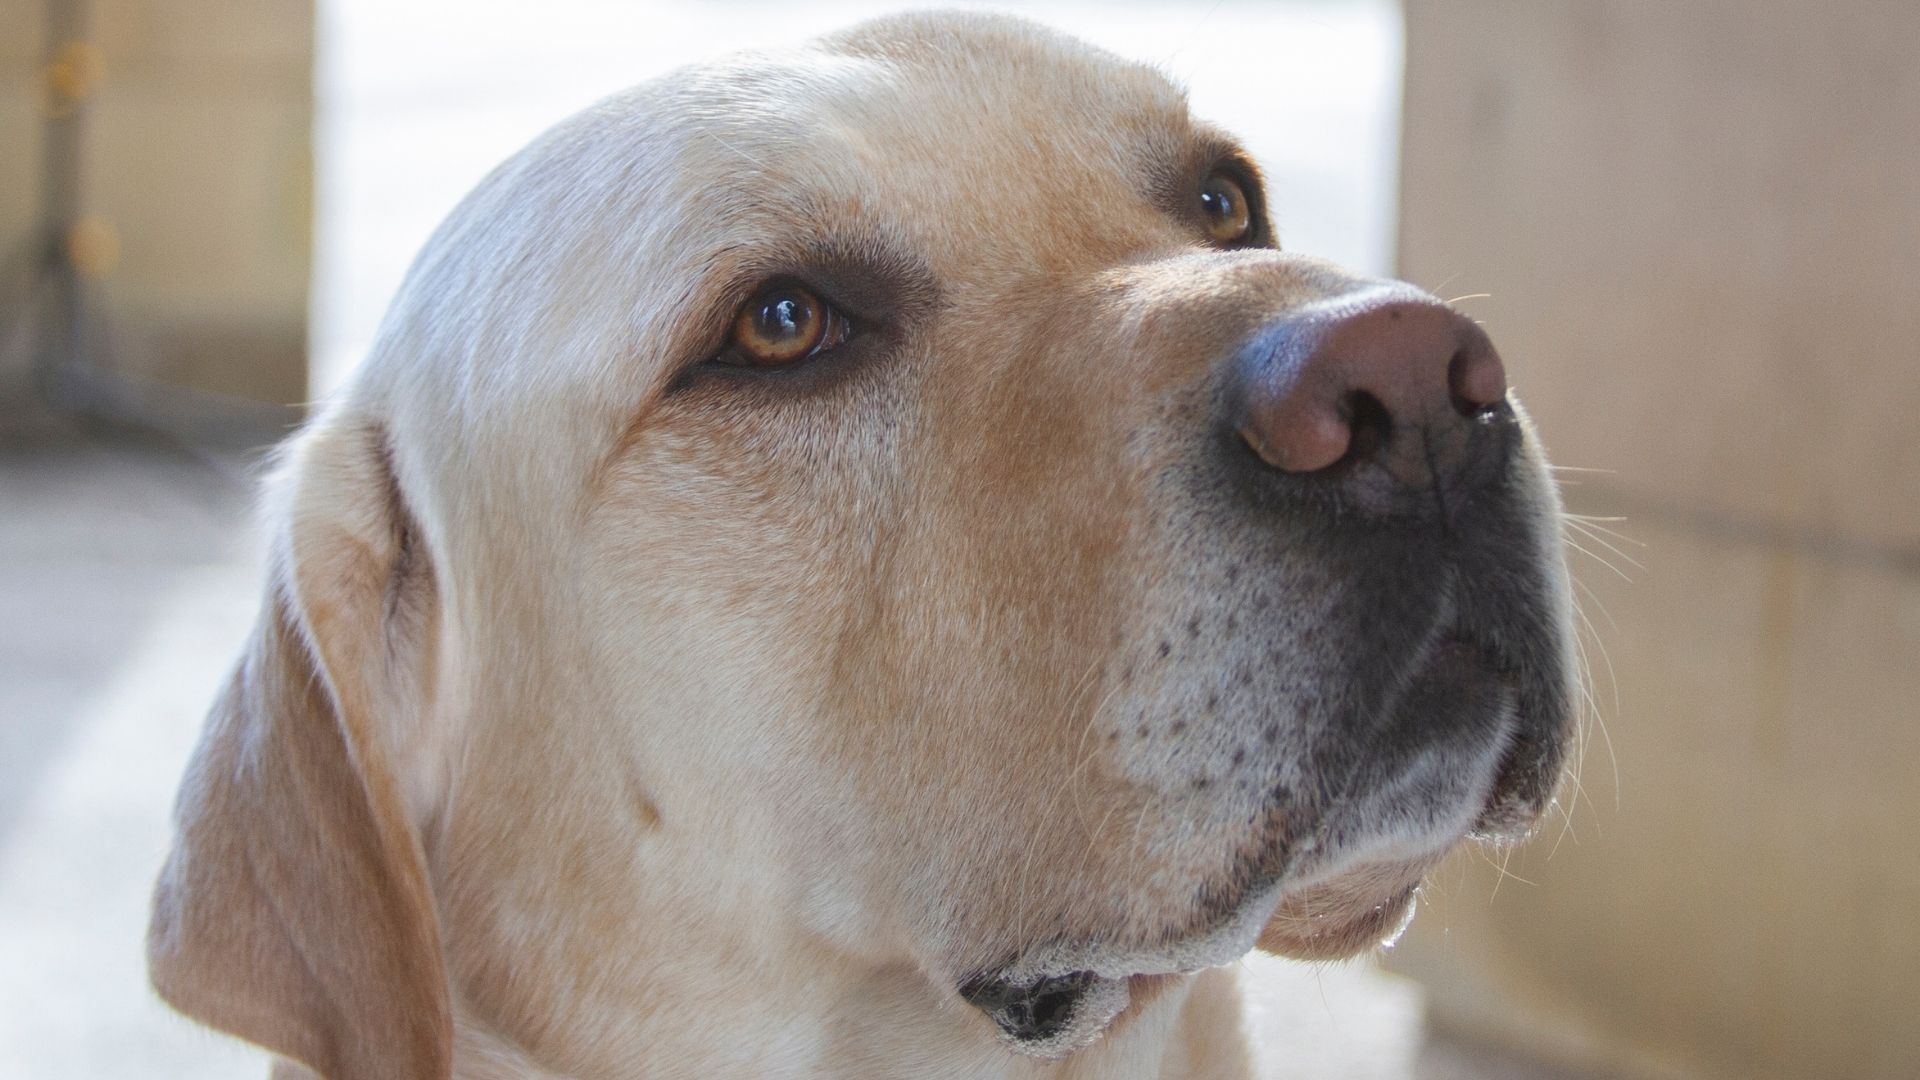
pixel 294 910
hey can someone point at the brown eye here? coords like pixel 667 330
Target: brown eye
pixel 1224 206
pixel 783 324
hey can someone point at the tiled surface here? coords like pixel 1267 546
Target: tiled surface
pixel 127 580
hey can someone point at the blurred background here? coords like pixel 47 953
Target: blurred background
pixel 1693 227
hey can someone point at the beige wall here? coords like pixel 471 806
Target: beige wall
pixel 198 155
pixel 1700 226
pixel 20 50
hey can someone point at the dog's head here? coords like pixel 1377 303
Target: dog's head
pixel 896 493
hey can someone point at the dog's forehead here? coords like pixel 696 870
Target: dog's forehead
pixel 985 82
pixel 933 118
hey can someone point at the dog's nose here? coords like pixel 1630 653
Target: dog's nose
pixel 1380 374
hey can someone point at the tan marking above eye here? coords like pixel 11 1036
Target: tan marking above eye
pixel 783 324
pixel 1226 209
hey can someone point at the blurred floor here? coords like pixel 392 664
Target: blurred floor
pixel 127 580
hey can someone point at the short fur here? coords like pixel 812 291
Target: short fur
pixel 612 714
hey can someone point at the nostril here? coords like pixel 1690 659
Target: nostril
pixel 1476 380
pixel 1369 423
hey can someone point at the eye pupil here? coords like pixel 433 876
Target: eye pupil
pixel 781 318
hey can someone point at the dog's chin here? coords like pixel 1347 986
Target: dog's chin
pixel 1057 1000
pixel 1343 918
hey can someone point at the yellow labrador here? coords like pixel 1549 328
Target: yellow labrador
pixel 863 562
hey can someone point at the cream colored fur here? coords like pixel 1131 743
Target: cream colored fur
pixel 605 723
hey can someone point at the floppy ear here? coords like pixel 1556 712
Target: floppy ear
pixel 294 910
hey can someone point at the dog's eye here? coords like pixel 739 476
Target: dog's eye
pixel 1226 209
pixel 783 324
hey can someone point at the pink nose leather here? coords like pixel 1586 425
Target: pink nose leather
pixel 1359 372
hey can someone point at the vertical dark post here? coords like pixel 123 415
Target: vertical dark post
pixel 59 307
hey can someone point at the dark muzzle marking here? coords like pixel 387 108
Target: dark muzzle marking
pixel 1032 1011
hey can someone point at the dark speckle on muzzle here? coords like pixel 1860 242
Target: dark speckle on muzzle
pixel 1031 1011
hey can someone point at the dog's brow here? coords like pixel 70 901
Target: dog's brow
pixel 867 267
pixel 1175 169
pixel 1212 145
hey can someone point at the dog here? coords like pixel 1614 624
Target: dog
pixel 866 561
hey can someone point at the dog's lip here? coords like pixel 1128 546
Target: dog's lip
pixel 1048 1010
pixel 1307 906
pixel 1462 653
pixel 1304 930
pixel 1218 940
pixel 1471 662
pixel 1103 977
pixel 1512 807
